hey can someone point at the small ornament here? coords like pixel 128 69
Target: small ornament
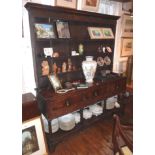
pixel 109 49
pixel 99 49
pixel 55 54
pixel 100 61
pixel 107 60
pixel 81 50
pixel 64 67
pixel 45 68
pixel 103 49
pixel 73 53
pixel 55 68
pixel 69 65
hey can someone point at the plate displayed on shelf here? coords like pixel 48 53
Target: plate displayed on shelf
pixel 100 61
pixel 108 49
pixel 107 60
pixel 67 122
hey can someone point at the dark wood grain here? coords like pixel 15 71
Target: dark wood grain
pixel 96 140
pixel 29 107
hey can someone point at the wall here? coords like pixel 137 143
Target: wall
pixel 105 7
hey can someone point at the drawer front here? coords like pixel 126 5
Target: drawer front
pixel 62 106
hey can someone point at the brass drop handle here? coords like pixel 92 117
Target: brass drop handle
pixel 68 103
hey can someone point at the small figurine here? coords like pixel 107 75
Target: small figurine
pixel 109 49
pixel 103 49
pixel 81 50
pixel 54 66
pixel 99 49
pixel 64 67
pixel 45 68
pixel 55 54
pixel 59 70
pixel 69 65
pixel 100 61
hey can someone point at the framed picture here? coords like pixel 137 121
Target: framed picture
pixel 63 29
pixel 95 33
pixel 90 5
pixel 44 30
pixel 55 82
pixel 127 47
pixel 33 140
pixel 127 26
pixel 107 33
pixel 66 3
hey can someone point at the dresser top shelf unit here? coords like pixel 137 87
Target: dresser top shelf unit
pixel 78 22
pixel 62 11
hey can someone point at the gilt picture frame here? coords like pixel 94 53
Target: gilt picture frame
pixel 44 30
pixel 55 82
pixel 66 3
pixel 107 33
pixel 127 26
pixel 62 29
pixel 90 5
pixel 95 33
pixel 127 47
pixel 33 138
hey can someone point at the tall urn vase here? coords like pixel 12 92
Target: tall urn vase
pixel 89 68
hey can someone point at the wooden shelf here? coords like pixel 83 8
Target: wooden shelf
pixel 65 40
pixel 60 134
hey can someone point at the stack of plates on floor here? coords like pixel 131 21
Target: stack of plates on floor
pixel 96 109
pixel 54 125
pixel 87 114
pixel 77 117
pixel 67 122
pixel 110 103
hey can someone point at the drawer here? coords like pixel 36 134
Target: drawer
pixel 59 105
pixel 62 106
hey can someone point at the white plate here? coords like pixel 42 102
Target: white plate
pixel 66 118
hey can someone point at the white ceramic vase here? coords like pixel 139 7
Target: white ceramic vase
pixel 89 68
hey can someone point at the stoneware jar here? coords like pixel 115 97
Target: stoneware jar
pixel 89 68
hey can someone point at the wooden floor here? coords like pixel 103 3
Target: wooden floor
pixel 95 140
